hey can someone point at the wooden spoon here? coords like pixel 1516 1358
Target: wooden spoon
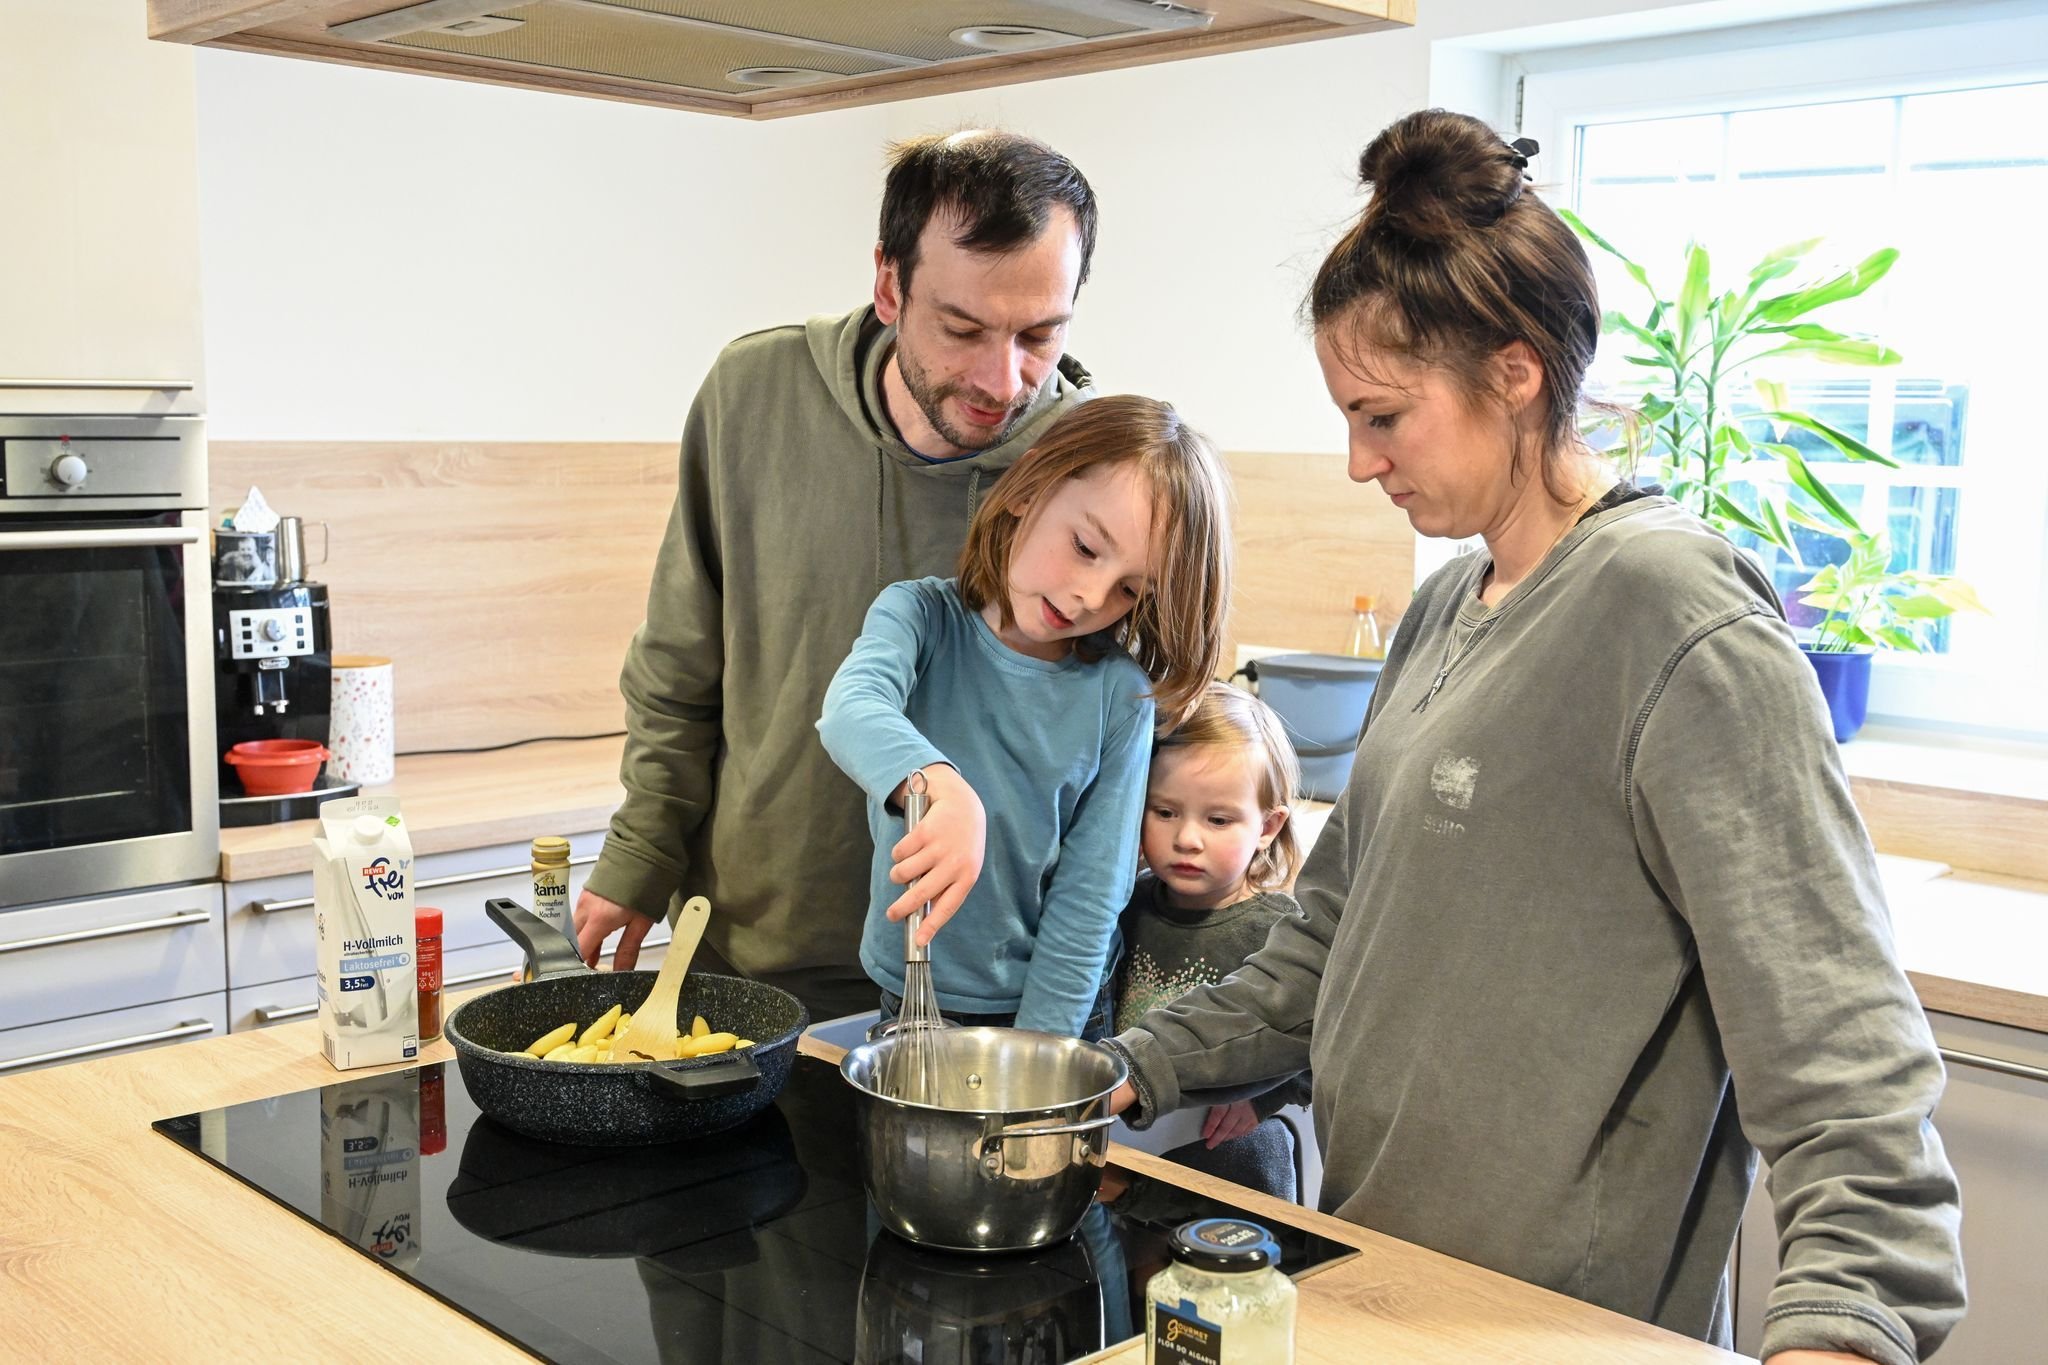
pixel 652 1034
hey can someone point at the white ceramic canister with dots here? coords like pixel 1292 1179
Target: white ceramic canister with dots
pixel 360 725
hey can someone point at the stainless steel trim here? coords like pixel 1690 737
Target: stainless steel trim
pixel 1999 1064
pixel 1141 14
pixel 431 883
pixel 272 1014
pixel 191 1028
pixel 102 385
pixel 796 40
pixel 505 973
pixel 184 919
pixel 94 540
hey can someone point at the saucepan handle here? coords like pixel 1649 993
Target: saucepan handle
pixel 995 1140
pixel 548 951
pixel 730 1077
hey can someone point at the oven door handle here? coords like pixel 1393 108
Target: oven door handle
pixel 96 540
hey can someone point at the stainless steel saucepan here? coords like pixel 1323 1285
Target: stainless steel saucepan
pixel 1010 1154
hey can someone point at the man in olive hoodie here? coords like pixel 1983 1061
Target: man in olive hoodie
pixel 820 463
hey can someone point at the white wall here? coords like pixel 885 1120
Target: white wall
pixel 401 257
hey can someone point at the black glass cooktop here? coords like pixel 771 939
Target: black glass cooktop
pixel 756 1246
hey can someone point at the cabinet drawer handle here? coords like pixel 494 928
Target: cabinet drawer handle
pixel 1998 1064
pixel 457 879
pixel 274 1014
pixel 184 919
pixel 191 1028
pixel 102 385
pixel 505 973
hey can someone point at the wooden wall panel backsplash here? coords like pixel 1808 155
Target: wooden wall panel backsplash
pixel 1308 541
pixel 504 579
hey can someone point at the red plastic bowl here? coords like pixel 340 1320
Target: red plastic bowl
pixel 277 767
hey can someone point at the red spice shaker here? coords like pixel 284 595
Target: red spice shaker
pixel 427 953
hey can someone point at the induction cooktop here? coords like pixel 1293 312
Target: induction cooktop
pixel 756 1246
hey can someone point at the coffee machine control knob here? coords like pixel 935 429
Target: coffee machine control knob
pixel 69 470
pixel 273 629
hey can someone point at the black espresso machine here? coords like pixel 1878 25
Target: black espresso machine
pixel 273 655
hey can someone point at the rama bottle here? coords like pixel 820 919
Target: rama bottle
pixel 551 884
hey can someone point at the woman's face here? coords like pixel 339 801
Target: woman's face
pixel 1444 459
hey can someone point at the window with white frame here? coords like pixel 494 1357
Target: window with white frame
pixel 1934 142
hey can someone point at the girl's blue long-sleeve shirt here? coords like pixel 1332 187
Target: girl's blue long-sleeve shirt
pixel 1058 754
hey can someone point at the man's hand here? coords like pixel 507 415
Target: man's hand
pixel 597 919
pixel 1227 1121
pixel 1123 1097
pixel 1818 1358
pixel 940 860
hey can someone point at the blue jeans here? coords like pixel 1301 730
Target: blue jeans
pixel 1094 1031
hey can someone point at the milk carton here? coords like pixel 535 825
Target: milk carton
pixel 362 913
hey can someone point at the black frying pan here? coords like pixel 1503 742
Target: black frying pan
pixel 621 1104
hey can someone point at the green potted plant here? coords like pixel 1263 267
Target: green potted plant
pixel 1712 428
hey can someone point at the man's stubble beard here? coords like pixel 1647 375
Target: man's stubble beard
pixel 931 398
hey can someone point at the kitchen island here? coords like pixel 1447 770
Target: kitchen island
pixel 114 1243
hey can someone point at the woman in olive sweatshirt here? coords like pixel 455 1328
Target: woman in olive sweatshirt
pixel 1595 919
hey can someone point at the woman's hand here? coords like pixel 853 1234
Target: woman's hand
pixel 940 860
pixel 1228 1121
pixel 1123 1097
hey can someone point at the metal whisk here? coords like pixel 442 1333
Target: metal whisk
pixel 911 1070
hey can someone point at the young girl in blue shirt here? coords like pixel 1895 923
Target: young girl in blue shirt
pixel 1089 602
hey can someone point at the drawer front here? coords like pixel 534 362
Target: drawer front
pixel 270 921
pixel 104 1035
pixel 109 953
pixel 465 969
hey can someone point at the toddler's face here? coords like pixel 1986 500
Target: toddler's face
pixel 1203 824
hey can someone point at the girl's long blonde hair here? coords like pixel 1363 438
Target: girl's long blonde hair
pixel 1227 718
pixel 1175 630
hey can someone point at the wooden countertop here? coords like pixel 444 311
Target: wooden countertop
pixel 461 801
pixel 1973 944
pixel 115 1243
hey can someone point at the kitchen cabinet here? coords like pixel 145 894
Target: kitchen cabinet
pixel 759 58
pixel 99 247
pixel 104 1034
pixel 1995 1128
pixel 106 974
pixel 283 1002
pixel 272 956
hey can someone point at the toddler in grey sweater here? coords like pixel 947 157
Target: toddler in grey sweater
pixel 1219 847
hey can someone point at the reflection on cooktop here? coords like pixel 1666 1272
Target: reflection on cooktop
pixel 755 1246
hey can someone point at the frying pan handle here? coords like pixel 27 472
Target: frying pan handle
pixel 703 1082
pixel 548 952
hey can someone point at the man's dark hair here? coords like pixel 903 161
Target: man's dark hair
pixel 1003 186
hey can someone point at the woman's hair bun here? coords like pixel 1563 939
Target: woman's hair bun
pixel 1435 174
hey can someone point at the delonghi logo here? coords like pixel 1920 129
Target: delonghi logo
pixel 382 877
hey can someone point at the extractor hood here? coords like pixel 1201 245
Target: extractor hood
pixel 760 58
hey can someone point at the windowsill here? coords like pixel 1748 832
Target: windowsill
pixel 1921 759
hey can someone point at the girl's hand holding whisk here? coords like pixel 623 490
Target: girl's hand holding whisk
pixel 940 860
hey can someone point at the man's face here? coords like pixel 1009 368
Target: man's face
pixel 977 334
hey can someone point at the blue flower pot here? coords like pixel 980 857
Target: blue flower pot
pixel 1845 682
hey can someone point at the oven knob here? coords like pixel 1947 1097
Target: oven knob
pixel 273 630
pixel 69 470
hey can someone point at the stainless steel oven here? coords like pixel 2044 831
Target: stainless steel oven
pixel 107 769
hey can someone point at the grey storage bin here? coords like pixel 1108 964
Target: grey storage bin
pixel 1321 700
